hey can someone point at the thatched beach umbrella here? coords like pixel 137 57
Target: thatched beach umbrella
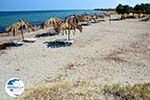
pixel 20 25
pixel 55 22
pixel 76 18
pixel 88 18
pixel 51 21
pixel 108 15
pixel 68 25
pixel 79 18
pixel 101 16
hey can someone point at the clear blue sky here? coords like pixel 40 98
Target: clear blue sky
pixel 19 5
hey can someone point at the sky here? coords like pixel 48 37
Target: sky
pixel 23 5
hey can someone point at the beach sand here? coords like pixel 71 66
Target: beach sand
pixel 103 53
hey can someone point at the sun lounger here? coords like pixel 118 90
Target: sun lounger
pixel 84 23
pixel 17 42
pixel 145 19
pixel 65 41
pixel 99 20
pixel 29 40
pixel 21 42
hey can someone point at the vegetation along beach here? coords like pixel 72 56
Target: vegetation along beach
pixel 100 54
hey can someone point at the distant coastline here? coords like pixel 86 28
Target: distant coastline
pixel 104 9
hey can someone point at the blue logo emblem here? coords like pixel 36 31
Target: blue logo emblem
pixel 14 87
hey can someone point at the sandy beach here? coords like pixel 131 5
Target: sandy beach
pixel 104 53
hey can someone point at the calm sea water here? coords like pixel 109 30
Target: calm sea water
pixel 36 17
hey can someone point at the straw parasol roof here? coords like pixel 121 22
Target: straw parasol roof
pixel 68 25
pixel 20 25
pixel 51 21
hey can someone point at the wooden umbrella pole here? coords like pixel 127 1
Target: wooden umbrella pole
pixel 68 35
pixel 22 32
pixel 110 19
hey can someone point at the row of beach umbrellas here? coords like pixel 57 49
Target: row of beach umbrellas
pixel 70 22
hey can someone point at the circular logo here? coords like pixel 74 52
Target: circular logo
pixel 14 87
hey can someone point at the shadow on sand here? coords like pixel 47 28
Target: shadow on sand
pixel 56 44
pixel 52 33
pixel 4 46
pixel 15 43
pixel 114 19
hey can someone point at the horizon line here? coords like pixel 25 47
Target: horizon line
pixel 52 9
pixel 42 10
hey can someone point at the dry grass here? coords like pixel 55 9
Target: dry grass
pixel 51 91
pixel 82 91
pixel 120 92
pixel 59 91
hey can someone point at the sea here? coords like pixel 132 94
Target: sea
pixel 35 18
